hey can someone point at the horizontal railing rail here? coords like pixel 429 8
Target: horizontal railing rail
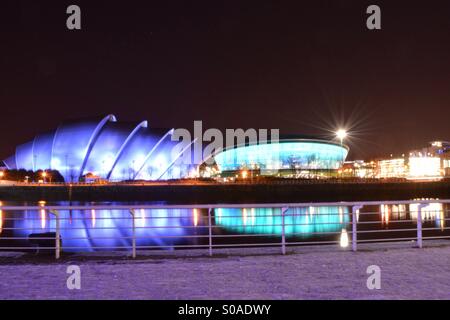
pixel 143 226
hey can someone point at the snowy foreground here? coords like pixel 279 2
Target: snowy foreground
pixel 258 273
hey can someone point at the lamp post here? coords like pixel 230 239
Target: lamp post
pixel 341 134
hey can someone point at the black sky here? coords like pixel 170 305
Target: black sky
pixel 299 66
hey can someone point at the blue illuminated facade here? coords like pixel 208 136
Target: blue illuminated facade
pixel 105 148
pixel 287 154
pixel 299 222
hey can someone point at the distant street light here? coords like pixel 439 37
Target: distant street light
pixel 2 174
pixel 44 175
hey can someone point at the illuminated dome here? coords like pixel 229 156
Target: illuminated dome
pixel 288 155
pixel 103 147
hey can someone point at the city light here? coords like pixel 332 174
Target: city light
pixel 341 134
pixel 43 216
pixel 424 168
pixel 392 168
pixel 2 174
pixel 44 175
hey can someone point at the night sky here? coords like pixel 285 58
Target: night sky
pixel 302 66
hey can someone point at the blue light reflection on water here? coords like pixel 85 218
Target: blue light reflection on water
pixel 301 222
pixel 92 230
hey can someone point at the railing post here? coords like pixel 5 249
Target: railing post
pixel 355 210
pixel 210 232
pixel 133 239
pixel 57 234
pixel 283 230
pixel 419 224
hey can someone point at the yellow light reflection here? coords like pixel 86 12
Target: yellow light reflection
pixel 195 214
pixel 385 211
pixel 43 219
pixel 1 218
pixel 43 216
pixel 386 216
pixel 442 220
pixel 432 212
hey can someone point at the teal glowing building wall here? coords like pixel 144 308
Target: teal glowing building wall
pixel 299 222
pixel 301 154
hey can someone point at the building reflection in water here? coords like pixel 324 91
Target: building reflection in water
pixel 341 215
pixel 93 217
pixel 432 212
pixel 142 219
pixel 1 218
pixel 91 230
pixel 43 215
pixel 301 222
pixel 195 217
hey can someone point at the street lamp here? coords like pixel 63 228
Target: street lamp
pixel 2 174
pixel 44 175
pixel 341 134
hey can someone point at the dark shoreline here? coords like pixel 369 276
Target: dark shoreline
pixel 231 193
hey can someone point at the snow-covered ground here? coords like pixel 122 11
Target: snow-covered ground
pixel 259 273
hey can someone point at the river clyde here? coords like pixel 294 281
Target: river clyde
pixel 249 192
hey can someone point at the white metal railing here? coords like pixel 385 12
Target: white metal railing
pixel 279 229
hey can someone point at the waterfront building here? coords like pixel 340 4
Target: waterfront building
pixel 392 168
pixel 116 151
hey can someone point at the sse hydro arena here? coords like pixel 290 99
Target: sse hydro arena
pixel 119 151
